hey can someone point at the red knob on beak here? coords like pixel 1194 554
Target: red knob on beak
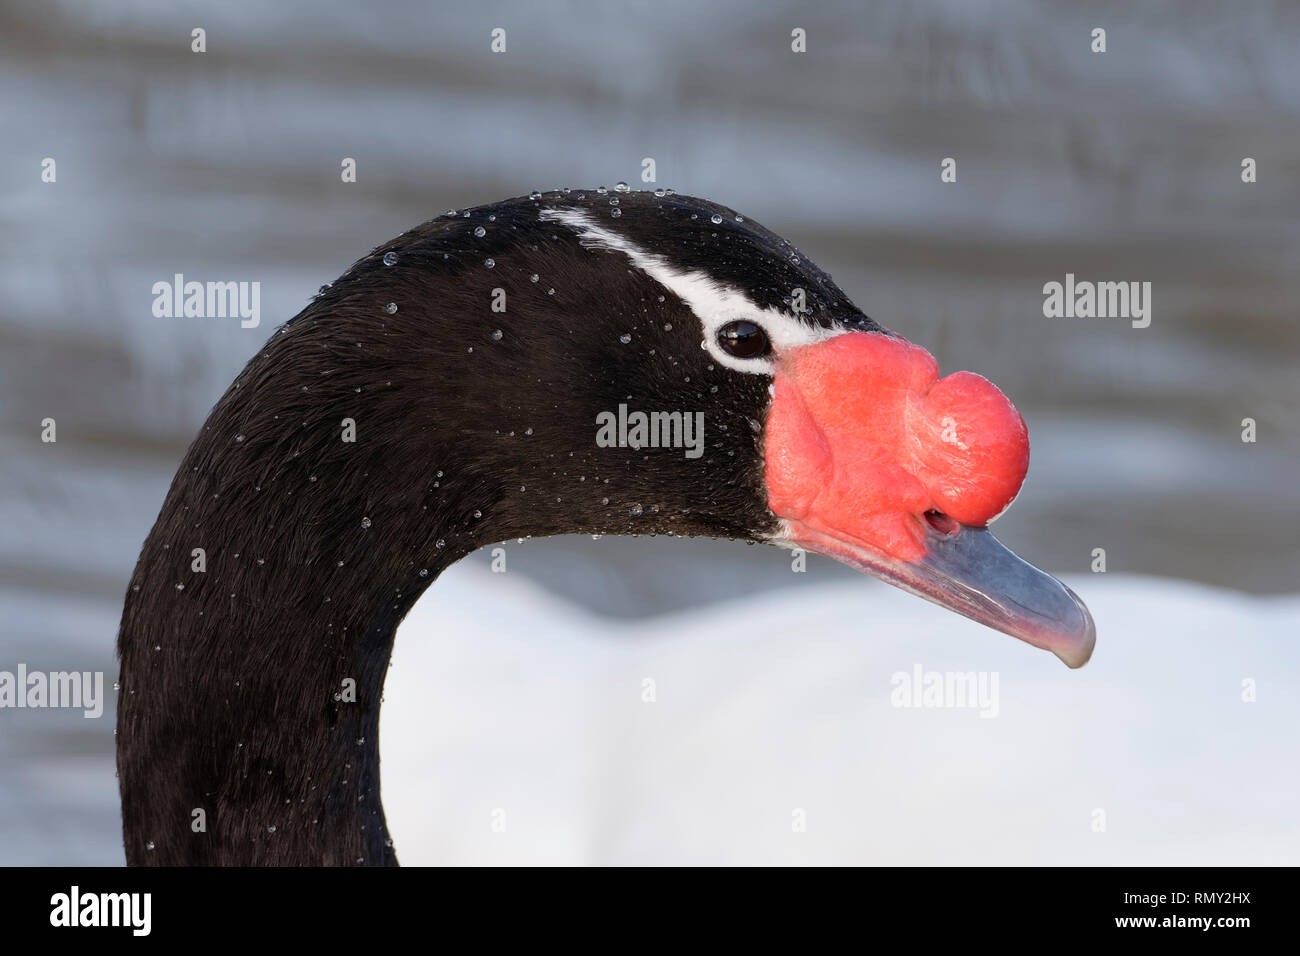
pixel 864 443
pixel 972 447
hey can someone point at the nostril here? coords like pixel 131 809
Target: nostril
pixel 941 523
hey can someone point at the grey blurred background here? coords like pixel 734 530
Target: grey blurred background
pixel 1116 166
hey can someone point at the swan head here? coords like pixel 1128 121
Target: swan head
pixel 623 362
pixel 863 452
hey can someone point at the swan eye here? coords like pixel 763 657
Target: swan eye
pixel 744 339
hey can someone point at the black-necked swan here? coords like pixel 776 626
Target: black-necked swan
pixel 576 361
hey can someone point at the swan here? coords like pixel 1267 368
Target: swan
pixel 456 387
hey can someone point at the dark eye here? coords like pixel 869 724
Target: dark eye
pixel 744 339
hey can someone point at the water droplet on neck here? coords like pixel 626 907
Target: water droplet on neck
pixel 496 335
pixel 490 263
pixel 621 187
pixel 616 212
pixel 601 190
pixel 715 219
pixel 365 522
pixel 480 231
pixel 635 511
pixel 535 194
pixel 390 258
pixel 625 338
pixel 390 308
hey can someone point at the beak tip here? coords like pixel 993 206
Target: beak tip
pixel 1077 651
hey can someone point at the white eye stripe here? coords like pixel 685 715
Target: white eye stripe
pixel 714 303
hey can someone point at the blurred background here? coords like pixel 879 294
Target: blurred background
pixel 1123 165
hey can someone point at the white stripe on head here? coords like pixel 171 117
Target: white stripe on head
pixel 713 303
